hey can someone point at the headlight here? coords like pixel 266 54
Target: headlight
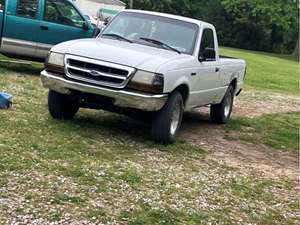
pixel 146 81
pixel 55 63
pixel 56 59
pixel 143 77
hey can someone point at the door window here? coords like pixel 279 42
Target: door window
pixel 207 47
pixel 62 12
pixel 2 4
pixel 27 8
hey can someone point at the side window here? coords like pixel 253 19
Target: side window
pixel 207 47
pixel 62 12
pixel 27 8
pixel 2 4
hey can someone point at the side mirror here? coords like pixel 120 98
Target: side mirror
pixel 209 54
pixel 85 26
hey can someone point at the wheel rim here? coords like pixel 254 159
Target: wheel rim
pixel 228 104
pixel 175 119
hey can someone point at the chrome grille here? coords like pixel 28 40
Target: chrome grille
pixel 97 72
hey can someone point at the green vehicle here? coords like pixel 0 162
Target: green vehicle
pixel 29 28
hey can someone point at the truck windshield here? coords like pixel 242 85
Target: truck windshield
pixel 140 28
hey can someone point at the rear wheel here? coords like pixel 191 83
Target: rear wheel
pixel 62 106
pixel 167 121
pixel 220 113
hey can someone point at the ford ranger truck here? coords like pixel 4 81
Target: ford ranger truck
pixel 149 62
pixel 30 28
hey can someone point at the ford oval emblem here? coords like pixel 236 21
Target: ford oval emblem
pixel 95 73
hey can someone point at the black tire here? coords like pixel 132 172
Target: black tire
pixel 219 113
pixel 162 120
pixel 62 106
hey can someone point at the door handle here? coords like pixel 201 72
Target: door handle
pixel 44 28
pixel 193 74
pixel 217 69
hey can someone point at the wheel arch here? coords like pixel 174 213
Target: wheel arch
pixel 184 90
pixel 233 83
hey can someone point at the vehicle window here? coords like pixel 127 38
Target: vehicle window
pixel 207 41
pixel 27 8
pixel 2 3
pixel 178 34
pixel 62 12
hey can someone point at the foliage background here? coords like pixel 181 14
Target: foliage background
pixel 265 25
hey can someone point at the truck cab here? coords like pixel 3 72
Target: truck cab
pixel 29 28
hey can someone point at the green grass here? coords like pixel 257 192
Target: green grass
pixel 267 71
pixel 229 193
pixel 147 215
pixel 102 167
pixel 280 131
pixel 59 198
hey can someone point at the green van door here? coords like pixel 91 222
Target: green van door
pixel 20 27
pixel 2 7
pixel 60 21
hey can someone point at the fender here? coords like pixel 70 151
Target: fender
pixel 170 85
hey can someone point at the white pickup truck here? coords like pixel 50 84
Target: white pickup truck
pixel 145 62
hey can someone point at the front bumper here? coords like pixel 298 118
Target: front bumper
pixel 124 99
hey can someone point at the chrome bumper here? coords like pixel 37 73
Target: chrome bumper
pixel 125 99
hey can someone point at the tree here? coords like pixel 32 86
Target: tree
pixel 270 25
pixel 296 50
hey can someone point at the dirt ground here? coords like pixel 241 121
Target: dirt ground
pixel 245 156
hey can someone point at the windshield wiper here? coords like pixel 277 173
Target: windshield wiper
pixel 163 45
pixel 118 37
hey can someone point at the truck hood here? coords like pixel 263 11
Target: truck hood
pixel 129 54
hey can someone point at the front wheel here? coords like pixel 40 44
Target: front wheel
pixel 62 106
pixel 167 121
pixel 220 113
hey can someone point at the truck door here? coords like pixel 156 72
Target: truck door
pixel 2 7
pixel 61 21
pixel 20 27
pixel 206 80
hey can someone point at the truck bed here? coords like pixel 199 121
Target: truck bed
pixel 230 61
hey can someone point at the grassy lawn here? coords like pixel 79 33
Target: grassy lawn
pixel 267 71
pixel 275 73
pixel 101 168
pixel 280 131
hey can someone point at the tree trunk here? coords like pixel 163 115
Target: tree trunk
pixel 131 4
pixel 296 51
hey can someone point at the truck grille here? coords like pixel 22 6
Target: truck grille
pixel 97 72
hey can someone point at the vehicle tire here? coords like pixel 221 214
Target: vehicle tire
pixel 62 106
pixel 167 121
pixel 220 113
